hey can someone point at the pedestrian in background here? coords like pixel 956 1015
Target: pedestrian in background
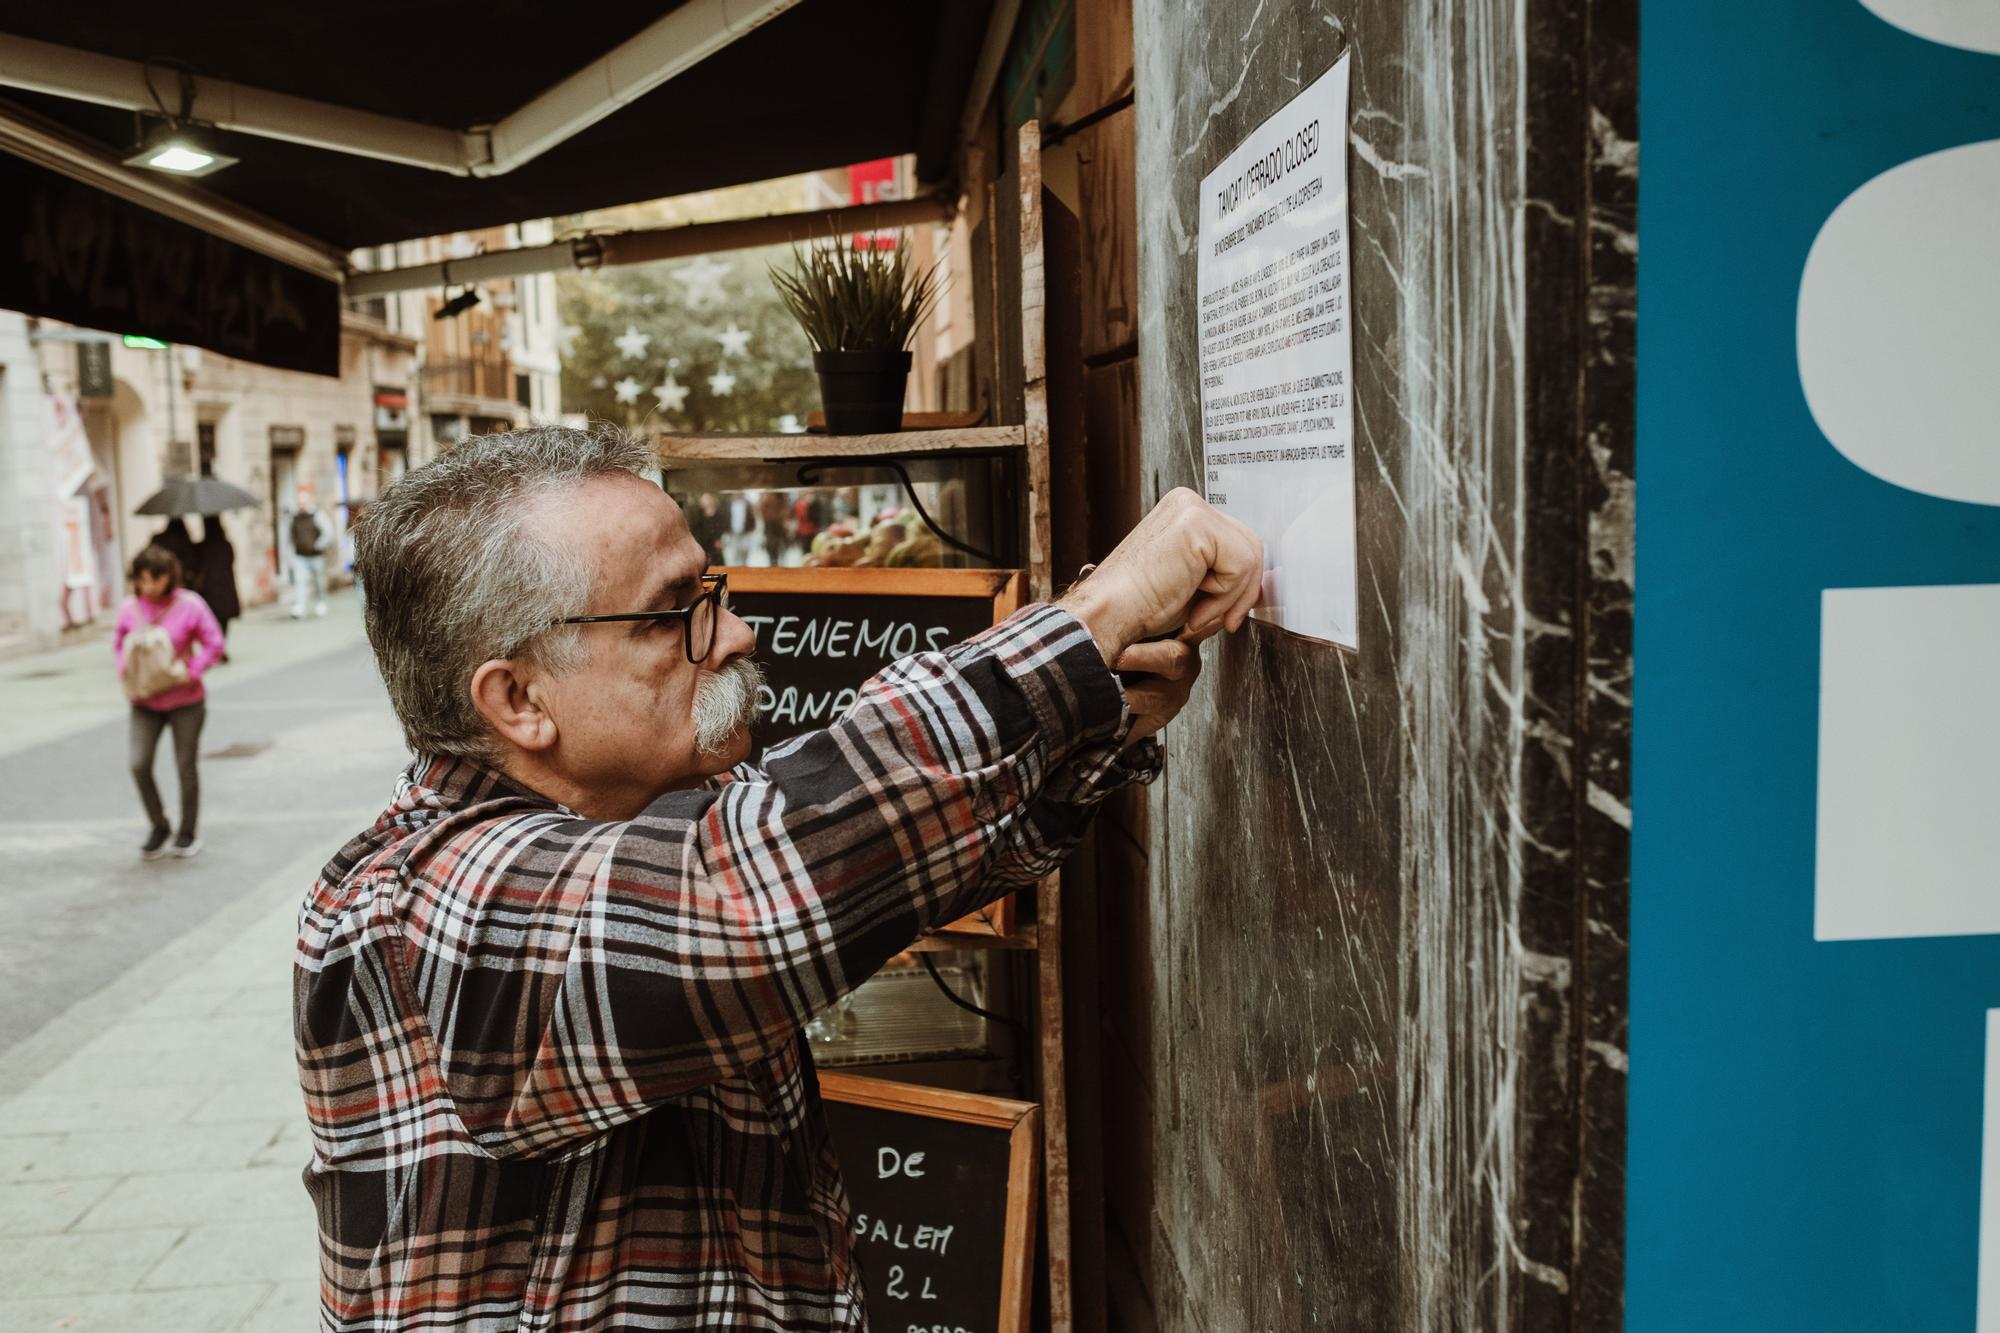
pixel 165 640
pixel 216 559
pixel 312 535
pixel 707 522
pixel 176 538
pixel 774 514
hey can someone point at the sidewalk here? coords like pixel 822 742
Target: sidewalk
pixel 151 1150
pixel 152 1136
pixel 59 691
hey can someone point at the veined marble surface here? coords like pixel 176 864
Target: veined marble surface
pixel 1389 913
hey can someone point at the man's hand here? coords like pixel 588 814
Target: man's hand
pixel 1187 567
pixel 1163 673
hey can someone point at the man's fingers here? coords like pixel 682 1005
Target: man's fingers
pixel 1251 570
pixel 1236 572
pixel 1169 659
pixel 1205 616
pixel 1253 592
pixel 1225 599
pixel 1186 564
pixel 1155 701
pixel 1241 596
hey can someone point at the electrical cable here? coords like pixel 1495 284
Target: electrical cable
pixel 809 474
pixel 184 76
pixel 1055 134
pixel 956 999
pixel 146 72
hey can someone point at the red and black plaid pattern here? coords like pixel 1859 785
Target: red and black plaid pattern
pixel 554 1066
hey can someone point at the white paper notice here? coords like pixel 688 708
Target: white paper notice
pixel 1277 356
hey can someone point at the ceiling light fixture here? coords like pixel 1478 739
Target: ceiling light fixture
pixel 175 146
pixel 179 151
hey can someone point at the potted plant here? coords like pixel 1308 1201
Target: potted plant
pixel 859 306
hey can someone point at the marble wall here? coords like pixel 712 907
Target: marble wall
pixel 1386 925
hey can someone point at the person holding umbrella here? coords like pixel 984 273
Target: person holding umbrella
pixel 175 537
pixel 210 566
pixel 215 558
pixel 196 495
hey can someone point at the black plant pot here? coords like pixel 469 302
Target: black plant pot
pixel 862 392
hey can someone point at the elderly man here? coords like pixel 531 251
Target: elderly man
pixel 549 1007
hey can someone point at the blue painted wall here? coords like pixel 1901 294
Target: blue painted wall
pixel 1805 1117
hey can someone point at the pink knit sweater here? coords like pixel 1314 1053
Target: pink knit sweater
pixel 197 638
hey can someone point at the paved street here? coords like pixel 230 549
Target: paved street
pixel 151 1130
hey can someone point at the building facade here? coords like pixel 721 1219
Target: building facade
pixel 92 423
pixel 494 365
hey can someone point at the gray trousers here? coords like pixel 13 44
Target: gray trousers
pixel 308 577
pixel 146 728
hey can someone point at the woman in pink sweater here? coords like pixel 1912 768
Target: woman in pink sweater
pixel 197 640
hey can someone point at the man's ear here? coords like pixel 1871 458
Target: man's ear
pixel 502 694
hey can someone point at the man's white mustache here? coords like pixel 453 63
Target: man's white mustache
pixel 725 701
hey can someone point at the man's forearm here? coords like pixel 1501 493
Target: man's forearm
pixel 957 777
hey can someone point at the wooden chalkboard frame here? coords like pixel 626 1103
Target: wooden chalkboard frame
pixel 1023 1123
pixel 1003 588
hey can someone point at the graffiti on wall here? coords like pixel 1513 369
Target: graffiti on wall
pixel 82 255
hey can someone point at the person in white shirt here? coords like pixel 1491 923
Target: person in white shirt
pixel 312 538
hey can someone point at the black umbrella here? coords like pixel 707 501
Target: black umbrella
pixel 196 495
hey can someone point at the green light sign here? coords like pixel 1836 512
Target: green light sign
pixel 134 340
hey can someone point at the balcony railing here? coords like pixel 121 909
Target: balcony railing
pixel 489 376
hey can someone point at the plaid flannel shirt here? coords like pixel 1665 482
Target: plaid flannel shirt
pixel 554 1066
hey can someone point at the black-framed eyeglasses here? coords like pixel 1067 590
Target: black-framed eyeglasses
pixel 698 618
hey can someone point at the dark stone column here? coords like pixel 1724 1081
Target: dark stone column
pixel 1388 927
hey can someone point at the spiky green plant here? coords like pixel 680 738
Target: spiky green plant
pixel 850 297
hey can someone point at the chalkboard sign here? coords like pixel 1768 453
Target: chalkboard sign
pixel 822 633
pixel 943 1188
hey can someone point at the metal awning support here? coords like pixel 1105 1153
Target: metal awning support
pixel 669 47
pixel 992 52
pixel 64 71
pixel 644 247
pixel 26 136
pixel 666 48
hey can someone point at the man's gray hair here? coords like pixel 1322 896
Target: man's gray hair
pixel 455 574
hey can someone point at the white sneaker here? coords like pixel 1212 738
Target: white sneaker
pixel 320 610
pixel 298 613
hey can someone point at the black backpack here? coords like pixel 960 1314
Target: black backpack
pixel 305 533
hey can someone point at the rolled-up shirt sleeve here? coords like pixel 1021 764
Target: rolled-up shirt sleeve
pixel 696 938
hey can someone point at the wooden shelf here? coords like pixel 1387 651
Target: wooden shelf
pixel 703 450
